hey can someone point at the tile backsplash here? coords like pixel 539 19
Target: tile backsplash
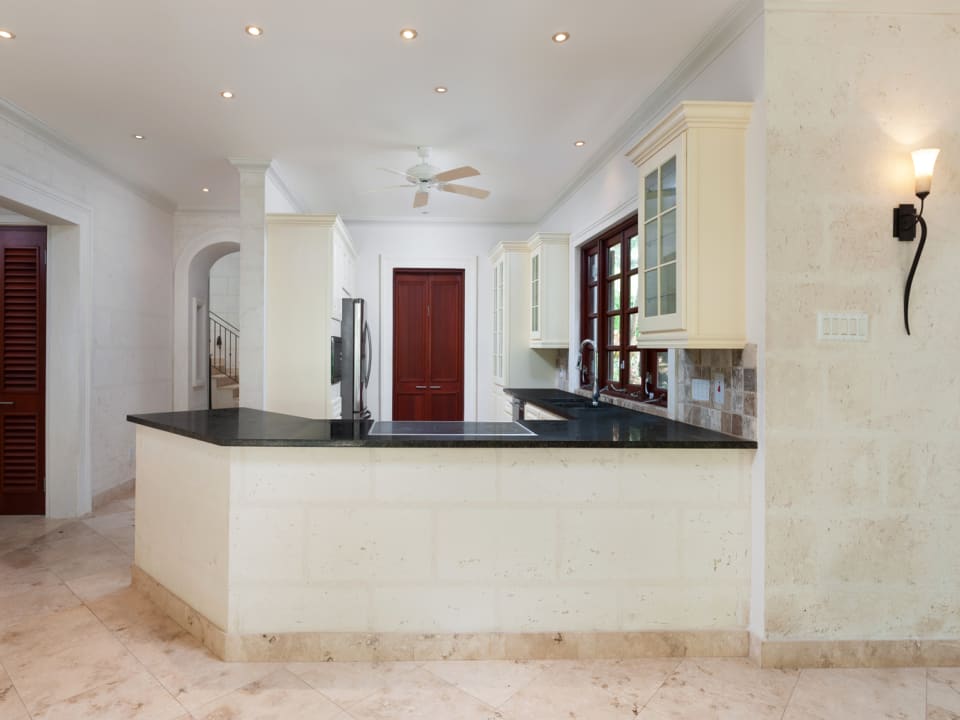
pixel 737 413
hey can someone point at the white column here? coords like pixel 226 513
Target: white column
pixel 252 276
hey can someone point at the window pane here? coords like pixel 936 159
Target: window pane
pixel 613 367
pixel 668 234
pixel 634 290
pixel 650 196
pixel 592 267
pixel 668 184
pixel 650 244
pixel 650 293
pixel 635 377
pixel 634 251
pixel 634 337
pixel 592 300
pixel 613 295
pixel 663 370
pixel 613 260
pixel 668 292
pixel 593 329
pixel 613 330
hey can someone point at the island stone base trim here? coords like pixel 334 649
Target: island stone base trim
pixel 384 647
pixel 789 654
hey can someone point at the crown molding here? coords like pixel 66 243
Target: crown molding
pixel 401 220
pixel 273 175
pixel 34 126
pixel 250 165
pixel 660 100
pixel 874 7
pixel 630 205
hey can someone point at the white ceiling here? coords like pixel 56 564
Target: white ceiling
pixel 331 92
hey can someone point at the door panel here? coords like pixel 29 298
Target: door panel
pixel 22 332
pixel 428 345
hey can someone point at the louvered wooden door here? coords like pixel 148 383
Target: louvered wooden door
pixel 22 331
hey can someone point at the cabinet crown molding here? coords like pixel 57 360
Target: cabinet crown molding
pixel 541 237
pixel 691 115
pixel 323 221
pixel 505 247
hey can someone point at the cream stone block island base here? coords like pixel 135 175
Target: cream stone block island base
pixel 272 537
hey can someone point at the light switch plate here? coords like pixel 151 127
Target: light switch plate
pixel 842 326
pixel 700 389
pixel 718 389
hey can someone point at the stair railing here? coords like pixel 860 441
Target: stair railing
pixel 224 347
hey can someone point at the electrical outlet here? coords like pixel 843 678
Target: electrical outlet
pixel 700 390
pixel 718 389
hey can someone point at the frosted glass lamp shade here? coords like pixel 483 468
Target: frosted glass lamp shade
pixel 923 162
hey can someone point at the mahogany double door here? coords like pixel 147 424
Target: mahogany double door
pixel 428 344
pixel 22 331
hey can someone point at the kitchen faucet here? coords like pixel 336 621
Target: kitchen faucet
pixel 596 385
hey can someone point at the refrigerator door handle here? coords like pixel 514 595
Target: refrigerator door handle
pixel 368 348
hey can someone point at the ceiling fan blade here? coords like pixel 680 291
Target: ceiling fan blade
pixel 464 190
pixel 420 199
pixel 456 174
pixel 399 172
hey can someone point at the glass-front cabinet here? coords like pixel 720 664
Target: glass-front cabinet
pixel 535 295
pixel 691 217
pixel 549 290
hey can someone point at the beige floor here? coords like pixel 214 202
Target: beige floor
pixel 76 642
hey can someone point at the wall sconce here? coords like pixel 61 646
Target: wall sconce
pixel 906 218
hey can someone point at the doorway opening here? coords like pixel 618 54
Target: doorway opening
pixel 23 253
pixel 428 344
pixel 223 333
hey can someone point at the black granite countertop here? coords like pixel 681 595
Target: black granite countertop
pixel 608 426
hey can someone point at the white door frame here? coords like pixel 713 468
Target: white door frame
pixel 69 336
pixel 469 266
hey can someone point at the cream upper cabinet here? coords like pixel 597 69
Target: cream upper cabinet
pixel 692 227
pixel 549 290
pixel 514 363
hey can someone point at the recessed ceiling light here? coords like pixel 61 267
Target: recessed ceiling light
pixel 408 34
pixel 561 37
pixel 6 34
pixel 226 95
pixel 253 30
pixel 205 189
pixel 579 143
pixel 139 137
pixel 440 89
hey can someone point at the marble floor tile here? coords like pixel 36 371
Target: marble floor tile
pixel 47 634
pixel 44 680
pixel 715 689
pixel 420 695
pixel 943 694
pixel 350 682
pixel 601 689
pixel 36 602
pixel 492 681
pixel 11 707
pixel 14 581
pixel 105 582
pixel 137 697
pixel 279 696
pixel 189 671
pixel 855 694
pixel 103 524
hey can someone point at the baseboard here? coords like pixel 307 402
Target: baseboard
pixel 382 647
pixel 124 489
pixel 854 653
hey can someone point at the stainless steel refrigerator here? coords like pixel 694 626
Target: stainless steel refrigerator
pixel 357 346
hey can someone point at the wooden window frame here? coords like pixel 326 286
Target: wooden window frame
pixel 598 247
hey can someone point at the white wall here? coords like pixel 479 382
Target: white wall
pixel 413 242
pixel 863 463
pixel 225 288
pixel 117 291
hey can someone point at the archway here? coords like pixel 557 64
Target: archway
pixel 190 327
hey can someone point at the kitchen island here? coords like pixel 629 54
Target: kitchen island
pixel 273 537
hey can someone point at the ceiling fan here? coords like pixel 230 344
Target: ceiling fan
pixel 425 177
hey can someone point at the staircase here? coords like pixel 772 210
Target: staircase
pixel 224 386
